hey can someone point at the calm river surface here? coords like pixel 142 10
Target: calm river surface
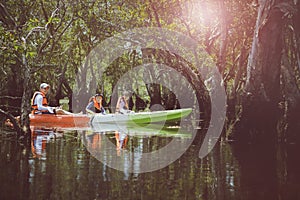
pixel 58 165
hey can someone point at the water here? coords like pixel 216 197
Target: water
pixel 57 165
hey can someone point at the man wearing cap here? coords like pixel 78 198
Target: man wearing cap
pixel 39 103
pixel 95 105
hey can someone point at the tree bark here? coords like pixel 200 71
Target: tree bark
pixel 262 94
pixel 61 79
pixel 223 37
pixel 289 124
pixel 25 105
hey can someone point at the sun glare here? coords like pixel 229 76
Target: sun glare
pixel 203 13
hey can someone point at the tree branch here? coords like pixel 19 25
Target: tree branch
pixel 14 121
pixel 5 17
pixel 10 97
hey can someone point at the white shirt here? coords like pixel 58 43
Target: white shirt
pixel 39 102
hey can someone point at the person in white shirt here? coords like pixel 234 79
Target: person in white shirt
pixel 39 102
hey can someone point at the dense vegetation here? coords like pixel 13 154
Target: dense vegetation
pixel 256 46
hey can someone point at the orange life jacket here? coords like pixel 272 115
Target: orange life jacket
pixel 96 104
pixel 34 106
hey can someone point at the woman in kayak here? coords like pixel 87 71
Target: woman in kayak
pixel 39 102
pixel 95 105
pixel 122 104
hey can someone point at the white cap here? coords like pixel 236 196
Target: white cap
pixel 44 85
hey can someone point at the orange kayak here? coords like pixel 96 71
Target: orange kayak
pixel 64 121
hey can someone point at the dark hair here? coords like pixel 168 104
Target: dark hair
pixel 97 95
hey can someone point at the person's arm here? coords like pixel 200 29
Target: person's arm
pixel 118 105
pixel 103 110
pixel 90 108
pixel 126 103
pixel 39 103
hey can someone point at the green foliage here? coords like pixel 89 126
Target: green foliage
pixel 54 37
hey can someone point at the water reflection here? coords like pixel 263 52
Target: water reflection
pixel 70 172
pixel 149 147
pixel 121 141
pixel 94 140
pixel 39 138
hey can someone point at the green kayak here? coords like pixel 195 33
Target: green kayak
pixel 143 117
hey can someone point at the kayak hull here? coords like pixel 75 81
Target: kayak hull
pixel 64 121
pixel 84 121
pixel 143 117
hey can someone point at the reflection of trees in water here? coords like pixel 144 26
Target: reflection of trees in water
pixel 70 172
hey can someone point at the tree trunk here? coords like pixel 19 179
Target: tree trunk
pixel 289 125
pixel 223 39
pixel 296 26
pixel 25 105
pixel 61 79
pixel 155 95
pixel 262 94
